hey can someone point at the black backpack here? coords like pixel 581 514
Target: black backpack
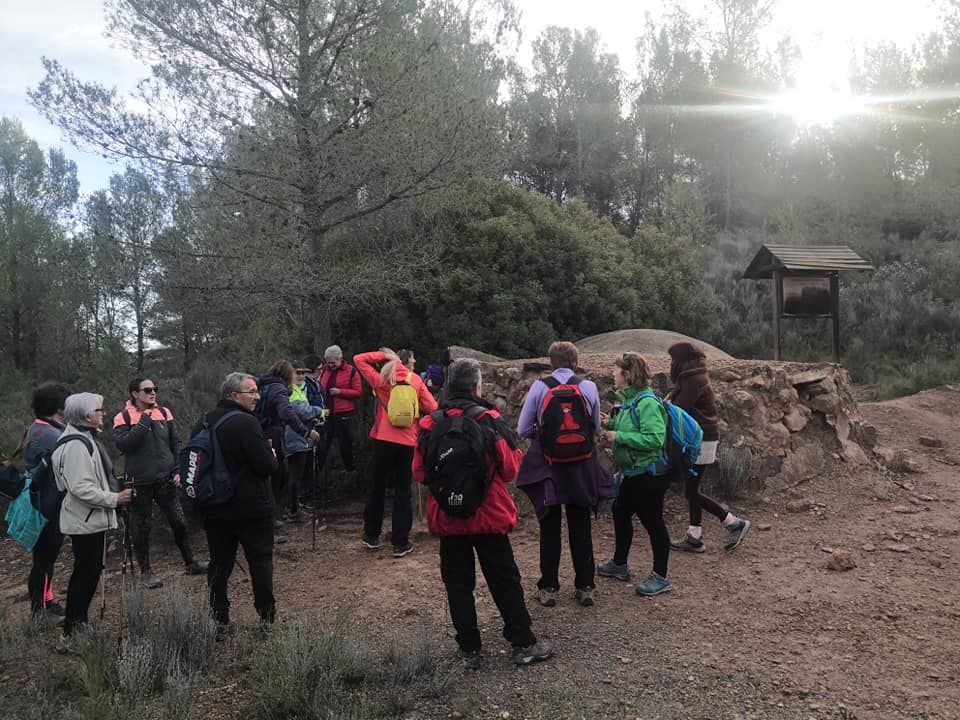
pixel 203 473
pixel 44 495
pixel 566 425
pixel 457 471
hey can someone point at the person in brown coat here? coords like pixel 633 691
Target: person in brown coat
pixel 692 392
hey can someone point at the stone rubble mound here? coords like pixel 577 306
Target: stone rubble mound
pixel 796 419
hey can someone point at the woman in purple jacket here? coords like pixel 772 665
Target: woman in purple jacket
pixel 275 413
pixel 576 486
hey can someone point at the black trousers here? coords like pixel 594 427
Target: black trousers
pixel 256 538
pixel 164 494
pixel 87 564
pixel 45 554
pixel 697 501
pixel 642 495
pixel 392 464
pixel 581 546
pixel 458 570
pixel 300 479
pixel 278 485
pixel 338 427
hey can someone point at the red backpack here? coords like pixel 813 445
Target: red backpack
pixel 566 424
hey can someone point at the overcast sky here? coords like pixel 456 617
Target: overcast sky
pixel 72 32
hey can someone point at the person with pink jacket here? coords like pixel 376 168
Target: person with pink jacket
pixel 401 399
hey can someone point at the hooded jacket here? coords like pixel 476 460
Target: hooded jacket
pixel 498 513
pixel 382 429
pixel 149 443
pixel 694 394
pixel 638 444
pixel 90 503
pixel 277 411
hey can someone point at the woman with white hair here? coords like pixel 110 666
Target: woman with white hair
pixel 84 473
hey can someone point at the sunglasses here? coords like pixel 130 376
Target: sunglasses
pixel 150 390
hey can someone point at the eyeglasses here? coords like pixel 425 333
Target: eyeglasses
pixel 150 390
pixel 247 392
pixel 99 410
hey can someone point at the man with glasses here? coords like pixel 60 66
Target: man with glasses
pixel 247 518
pixel 145 433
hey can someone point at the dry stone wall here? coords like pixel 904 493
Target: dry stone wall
pixel 798 420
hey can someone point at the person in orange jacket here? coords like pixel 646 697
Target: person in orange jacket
pixel 401 399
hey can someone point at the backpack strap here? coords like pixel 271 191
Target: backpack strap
pixel 86 441
pixel 226 416
pixel 126 417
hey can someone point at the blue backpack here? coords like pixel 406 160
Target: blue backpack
pixel 684 436
pixel 203 473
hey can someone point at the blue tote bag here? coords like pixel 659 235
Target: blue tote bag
pixel 24 521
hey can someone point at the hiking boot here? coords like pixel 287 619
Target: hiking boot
pixel 400 550
pixel 370 541
pixel 612 570
pixel 67 646
pixel 55 608
pixel 584 597
pixel 471 659
pixel 224 631
pixel 688 544
pixel 736 533
pixel 46 619
pixel 197 567
pixel 150 581
pixel 547 596
pixel 279 539
pixel 654 585
pixel 540 650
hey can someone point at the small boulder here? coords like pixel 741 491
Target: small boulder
pixel 885 455
pixel 841 561
pixel 930 442
pixel 795 420
pixel 799 506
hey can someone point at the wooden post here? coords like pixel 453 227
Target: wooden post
pixel 777 312
pixel 835 311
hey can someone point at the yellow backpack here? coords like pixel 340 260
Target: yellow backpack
pixel 403 407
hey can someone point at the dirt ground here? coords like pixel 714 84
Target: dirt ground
pixel 766 631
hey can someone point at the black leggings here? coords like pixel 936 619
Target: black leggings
pixel 642 495
pixel 45 554
pixel 164 494
pixel 698 501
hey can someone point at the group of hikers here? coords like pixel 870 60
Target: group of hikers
pixel 250 467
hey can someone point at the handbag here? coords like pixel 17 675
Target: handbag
pixel 24 521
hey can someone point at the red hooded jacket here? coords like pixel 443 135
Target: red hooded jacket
pixel 498 514
pixel 382 429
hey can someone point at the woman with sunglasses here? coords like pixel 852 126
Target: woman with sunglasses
pixel 145 433
pixel 637 433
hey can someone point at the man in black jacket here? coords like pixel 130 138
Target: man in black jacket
pixel 247 519
pixel 145 433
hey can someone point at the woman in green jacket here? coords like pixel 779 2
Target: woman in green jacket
pixel 637 433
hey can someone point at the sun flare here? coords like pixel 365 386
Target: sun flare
pixel 816 106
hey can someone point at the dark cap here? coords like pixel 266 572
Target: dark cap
pixel 297 365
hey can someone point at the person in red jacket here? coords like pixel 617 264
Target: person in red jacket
pixel 341 385
pixel 393 443
pixel 483 535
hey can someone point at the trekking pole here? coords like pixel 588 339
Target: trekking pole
pixel 314 498
pixel 126 542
